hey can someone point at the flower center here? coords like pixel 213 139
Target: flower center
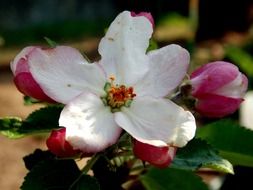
pixel 117 95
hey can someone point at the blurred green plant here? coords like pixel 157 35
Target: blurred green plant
pixel 59 31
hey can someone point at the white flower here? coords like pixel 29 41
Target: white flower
pixel 124 90
pixel 246 110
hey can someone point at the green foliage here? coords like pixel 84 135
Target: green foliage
pixel 152 45
pixel 51 174
pixel 36 157
pixel 59 31
pixel 40 121
pixel 9 126
pixel 85 182
pixel 233 141
pixel 44 118
pixel 121 152
pixel 48 172
pixel 173 27
pixel 50 42
pixel 30 101
pixel 110 176
pixel 171 179
pixel 241 58
pixel 174 19
pixel 197 153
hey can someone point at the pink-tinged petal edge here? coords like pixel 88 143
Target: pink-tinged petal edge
pixel 245 83
pixel 21 66
pixel 26 84
pixel 212 76
pixel 145 14
pixel 160 157
pixel 216 106
pixel 23 79
pixel 58 145
pixel 21 56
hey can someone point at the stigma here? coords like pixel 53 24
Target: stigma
pixel 117 95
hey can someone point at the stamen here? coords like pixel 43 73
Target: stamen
pixel 118 95
pixel 112 78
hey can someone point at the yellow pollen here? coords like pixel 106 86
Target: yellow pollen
pixel 119 95
pixel 112 78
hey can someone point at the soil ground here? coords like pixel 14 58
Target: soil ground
pixel 12 169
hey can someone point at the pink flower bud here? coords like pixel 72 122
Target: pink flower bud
pixel 219 88
pixel 23 78
pixel 58 145
pixel 160 157
pixel 145 14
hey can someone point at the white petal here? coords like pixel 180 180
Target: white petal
pixel 63 73
pixel 246 110
pixel 123 49
pixel 90 126
pixel 185 130
pixel 168 66
pixel 23 54
pixel 157 122
pixel 234 89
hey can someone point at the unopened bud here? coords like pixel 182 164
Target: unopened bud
pixel 58 145
pixel 219 88
pixel 160 157
pixel 23 78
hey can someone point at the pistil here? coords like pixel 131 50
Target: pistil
pixel 118 95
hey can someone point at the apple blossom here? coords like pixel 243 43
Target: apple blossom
pixel 246 110
pixel 125 90
pixel 160 157
pixel 219 88
pixel 23 78
pixel 58 145
pixel 145 14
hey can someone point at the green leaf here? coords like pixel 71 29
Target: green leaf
pixel 174 26
pixel 152 45
pixel 44 119
pixel 233 141
pixel 6 122
pixel 108 176
pixel 170 178
pixel 40 121
pixel 50 42
pixel 240 57
pixel 36 157
pixel 85 182
pixel 9 127
pixel 30 101
pixel 197 153
pixel 51 174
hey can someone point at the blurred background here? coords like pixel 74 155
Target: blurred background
pixel 210 29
